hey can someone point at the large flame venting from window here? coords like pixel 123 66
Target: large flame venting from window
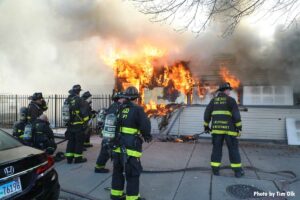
pixel 149 67
pixel 228 77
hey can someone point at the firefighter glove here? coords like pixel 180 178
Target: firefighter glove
pixel 148 138
pixel 238 128
pixel 207 129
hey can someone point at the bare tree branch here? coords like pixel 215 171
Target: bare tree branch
pixel 197 15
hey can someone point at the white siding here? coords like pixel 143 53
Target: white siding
pixel 258 123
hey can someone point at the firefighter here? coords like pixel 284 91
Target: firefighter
pixel 42 135
pixel 132 126
pixel 86 96
pixel 105 151
pixel 226 125
pixel 36 106
pixel 76 126
pixel 19 126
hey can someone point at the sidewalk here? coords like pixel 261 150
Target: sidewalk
pixel 191 185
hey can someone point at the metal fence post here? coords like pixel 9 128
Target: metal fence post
pixel 55 110
pixel 16 107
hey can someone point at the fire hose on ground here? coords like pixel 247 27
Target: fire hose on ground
pixel 284 173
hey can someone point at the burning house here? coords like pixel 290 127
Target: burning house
pixel 175 97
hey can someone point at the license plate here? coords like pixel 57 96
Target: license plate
pixel 10 188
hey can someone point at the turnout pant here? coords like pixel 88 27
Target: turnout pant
pixel 233 150
pixel 75 136
pixel 104 155
pixel 133 169
pixel 87 135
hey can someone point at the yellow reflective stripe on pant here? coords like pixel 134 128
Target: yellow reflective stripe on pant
pixel 130 152
pixel 77 155
pixel 99 166
pixel 127 130
pixel 206 123
pixel 215 164
pixel 116 192
pixel 69 154
pixel 221 112
pixel 232 133
pixel 132 197
pixel 236 165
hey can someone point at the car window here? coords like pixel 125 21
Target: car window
pixel 7 142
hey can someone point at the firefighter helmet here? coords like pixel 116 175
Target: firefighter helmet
pixel 224 86
pixel 76 88
pixel 86 95
pixel 117 96
pixel 23 113
pixel 131 93
pixel 36 96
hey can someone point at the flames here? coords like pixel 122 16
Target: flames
pixel 149 66
pixel 228 77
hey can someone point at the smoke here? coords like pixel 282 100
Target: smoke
pixel 252 58
pixel 50 45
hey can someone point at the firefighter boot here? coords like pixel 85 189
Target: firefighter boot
pixel 239 173
pixel 101 170
pixel 118 198
pixel 80 160
pixel 88 145
pixel 69 160
pixel 216 171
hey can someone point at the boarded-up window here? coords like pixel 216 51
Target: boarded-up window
pixel 268 95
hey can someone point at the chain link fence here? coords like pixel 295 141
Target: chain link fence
pixel 11 104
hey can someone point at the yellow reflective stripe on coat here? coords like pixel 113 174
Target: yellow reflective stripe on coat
pixel 215 164
pixel 116 192
pixel 232 133
pixel 130 152
pixel 132 197
pixel 75 123
pixel 235 165
pixel 129 130
pixel 238 124
pixel 206 124
pixel 86 118
pixel 221 112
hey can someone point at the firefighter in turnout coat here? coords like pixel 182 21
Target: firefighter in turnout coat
pixel 133 125
pixel 79 116
pixel 226 125
pixel 106 144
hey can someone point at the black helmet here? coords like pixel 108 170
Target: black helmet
pixel 86 95
pixel 36 96
pixel 224 86
pixel 117 96
pixel 76 88
pixel 131 93
pixel 23 113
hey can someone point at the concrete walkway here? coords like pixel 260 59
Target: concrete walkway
pixel 191 185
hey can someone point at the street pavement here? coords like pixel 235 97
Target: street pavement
pixel 78 181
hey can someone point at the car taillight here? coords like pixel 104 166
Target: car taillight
pixel 42 169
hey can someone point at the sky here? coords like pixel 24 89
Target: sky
pixel 50 45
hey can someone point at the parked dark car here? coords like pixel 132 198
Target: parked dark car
pixel 26 173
